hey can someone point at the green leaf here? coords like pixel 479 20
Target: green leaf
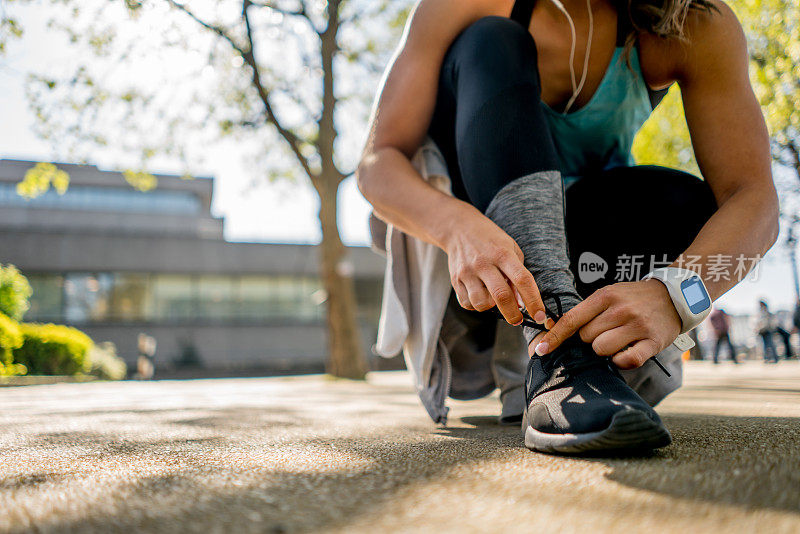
pixel 40 178
pixel 140 180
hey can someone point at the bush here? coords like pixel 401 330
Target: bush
pixel 49 349
pixel 10 339
pixel 14 292
pixel 105 364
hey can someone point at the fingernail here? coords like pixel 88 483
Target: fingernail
pixel 542 348
pixel 539 317
pixel 520 304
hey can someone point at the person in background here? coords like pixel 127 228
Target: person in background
pixel 766 327
pixel 146 362
pixel 785 337
pixel 796 318
pixel 722 325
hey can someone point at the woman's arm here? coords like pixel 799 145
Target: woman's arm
pixel 732 148
pixel 482 257
pixel 731 144
pixel 399 122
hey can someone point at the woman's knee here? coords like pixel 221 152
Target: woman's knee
pixel 498 44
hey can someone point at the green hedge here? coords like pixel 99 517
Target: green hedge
pixel 49 349
pixel 14 292
pixel 10 338
pixel 104 362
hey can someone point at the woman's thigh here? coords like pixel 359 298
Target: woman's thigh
pixel 488 120
pixel 623 222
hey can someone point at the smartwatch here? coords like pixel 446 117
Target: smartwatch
pixel 688 294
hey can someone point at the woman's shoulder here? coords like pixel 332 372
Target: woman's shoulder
pixel 446 18
pixel 471 8
pixel 710 34
pixel 716 26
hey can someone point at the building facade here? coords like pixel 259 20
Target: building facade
pixel 116 262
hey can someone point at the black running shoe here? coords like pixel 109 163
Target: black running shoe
pixel 578 402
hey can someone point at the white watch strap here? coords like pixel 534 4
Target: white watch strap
pixel 684 342
pixel 672 277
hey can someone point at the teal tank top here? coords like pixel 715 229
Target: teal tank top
pixel 599 135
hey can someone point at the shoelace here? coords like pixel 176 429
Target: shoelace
pixel 527 320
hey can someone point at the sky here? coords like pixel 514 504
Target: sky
pixel 283 212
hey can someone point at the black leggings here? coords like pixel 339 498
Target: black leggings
pixel 490 127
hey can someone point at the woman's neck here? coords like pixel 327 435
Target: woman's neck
pixel 577 11
pixel 573 6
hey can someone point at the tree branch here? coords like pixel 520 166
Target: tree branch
pixel 247 53
pixel 216 29
pixel 249 57
pixel 358 14
pixel 301 12
pixel 794 150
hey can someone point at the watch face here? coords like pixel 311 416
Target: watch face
pixel 695 294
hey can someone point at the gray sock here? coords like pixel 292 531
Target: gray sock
pixel 531 210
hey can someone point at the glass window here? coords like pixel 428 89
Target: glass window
pixel 87 297
pixel 285 297
pixel 81 298
pixel 125 199
pixel 47 298
pixel 130 298
pixel 216 297
pixel 173 297
pixel 256 298
pixel 305 297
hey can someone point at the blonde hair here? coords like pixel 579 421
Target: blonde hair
pixel 663 18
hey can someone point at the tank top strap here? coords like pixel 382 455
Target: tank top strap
pixel 522 12
pixel 624 27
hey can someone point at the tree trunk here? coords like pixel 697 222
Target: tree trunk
pixel 346 357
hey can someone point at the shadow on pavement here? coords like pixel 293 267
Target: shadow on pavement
pixel 302 484
pixel 744 461
pixel 311 491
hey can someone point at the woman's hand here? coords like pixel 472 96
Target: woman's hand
pixel 631 322
pixel 487 270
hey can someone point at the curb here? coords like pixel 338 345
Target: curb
pixel 39 380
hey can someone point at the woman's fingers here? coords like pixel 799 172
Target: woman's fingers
pixel 522 280
pixel 635 355
pixel 478 295
pixel 569 323
pixel 490 290
pixel 615 340
pixel 606 320
pixel 498 279
pixel 502 295
pixel 462 295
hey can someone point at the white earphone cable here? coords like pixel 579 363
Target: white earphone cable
pixel 585 59
pixel 561 7
pixel 576 88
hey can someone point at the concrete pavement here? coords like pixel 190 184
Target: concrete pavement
pixel 299 454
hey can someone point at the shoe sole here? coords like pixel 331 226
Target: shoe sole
pixel 630 430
